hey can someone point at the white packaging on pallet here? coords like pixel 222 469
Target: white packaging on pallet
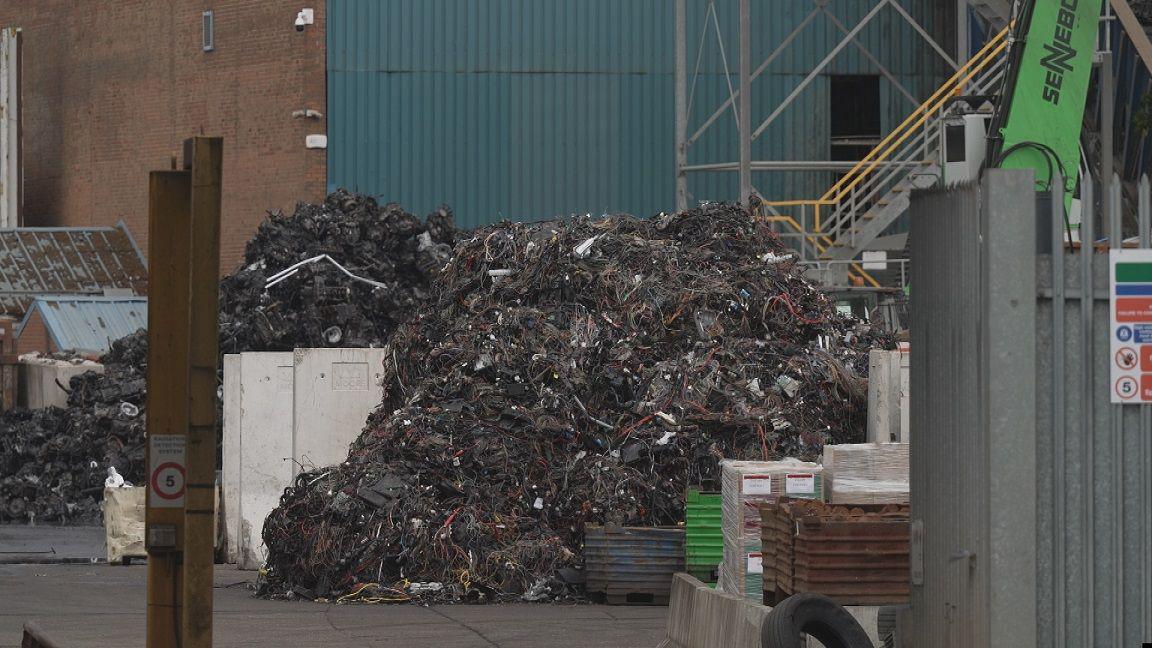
pixel 867 473
pixel 744 486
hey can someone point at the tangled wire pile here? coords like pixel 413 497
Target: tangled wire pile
pixel 570 373
pixel 54 461
pixel 319 305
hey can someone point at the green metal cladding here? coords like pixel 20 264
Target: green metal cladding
pixel 529 109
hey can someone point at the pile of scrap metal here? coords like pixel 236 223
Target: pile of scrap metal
pixel 54 462
pixel 342 273
pixel 570 373
pixel 377 271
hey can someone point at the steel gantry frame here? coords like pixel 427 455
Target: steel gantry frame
pixel 739 101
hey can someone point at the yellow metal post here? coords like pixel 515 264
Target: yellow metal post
pixel 203 156
pixel 169 218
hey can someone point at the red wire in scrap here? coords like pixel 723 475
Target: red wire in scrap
pixel 450 518
pixel 792 309
pixel 628 430
pixel 763 441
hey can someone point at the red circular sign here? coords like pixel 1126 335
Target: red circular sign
pixel 1126 387
pixel 168 481
pixel 1127 358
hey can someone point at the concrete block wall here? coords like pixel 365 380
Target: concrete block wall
pixel 112 88
pixel 40 382
pixel 889 378
pixel 257 457
pixel 285 412
pixel 334 391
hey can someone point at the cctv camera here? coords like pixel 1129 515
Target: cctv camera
pixel 300 22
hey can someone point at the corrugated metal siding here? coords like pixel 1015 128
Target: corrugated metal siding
pixel 88 324
pixel 1090 549
pixel 948 604
pixel 526 109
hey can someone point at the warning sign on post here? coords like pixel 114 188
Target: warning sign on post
pixel 166 470
pixel 1131 325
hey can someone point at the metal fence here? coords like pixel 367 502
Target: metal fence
pixel 1031 493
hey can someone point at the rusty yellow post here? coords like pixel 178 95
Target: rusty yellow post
pixel 203 156
pixel 169 220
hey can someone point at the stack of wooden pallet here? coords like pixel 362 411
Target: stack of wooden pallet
pixel 855 555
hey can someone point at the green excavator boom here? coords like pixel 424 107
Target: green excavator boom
pixel 1038 123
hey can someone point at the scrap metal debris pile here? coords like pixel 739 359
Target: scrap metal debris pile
pixel 377 272
pixel 53 462
pixel 570 373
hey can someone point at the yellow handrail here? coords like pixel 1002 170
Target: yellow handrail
pixel 986 55
pixel 815 239
pixel 836 193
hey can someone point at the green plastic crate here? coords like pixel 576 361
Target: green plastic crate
pixel 703 538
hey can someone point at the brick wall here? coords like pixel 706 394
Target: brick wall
pixel 34 337
pixel 111 89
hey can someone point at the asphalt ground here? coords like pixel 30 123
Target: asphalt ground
pixel 90 605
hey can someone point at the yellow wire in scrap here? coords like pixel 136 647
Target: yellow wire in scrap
pixel 355 595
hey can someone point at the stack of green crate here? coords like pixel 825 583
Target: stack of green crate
pixel 703 540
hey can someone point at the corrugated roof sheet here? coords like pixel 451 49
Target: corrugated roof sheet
pixel 38 261
pixel 88 324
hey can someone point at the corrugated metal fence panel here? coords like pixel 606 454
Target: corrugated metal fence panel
pixel 526 109
pixel 945 372
pixel 1092 539
pixel 1094 513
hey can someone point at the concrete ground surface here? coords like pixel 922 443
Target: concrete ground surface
pixel 50 544
pixel 89 606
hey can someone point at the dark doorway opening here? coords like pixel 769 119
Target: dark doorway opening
pixel 855 113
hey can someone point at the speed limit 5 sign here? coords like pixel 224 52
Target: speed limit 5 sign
pixel 166 473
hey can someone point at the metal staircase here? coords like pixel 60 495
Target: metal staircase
pixel 866 201
pixel 996 12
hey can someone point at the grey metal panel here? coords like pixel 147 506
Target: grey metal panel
pixel 945 316
pixel 1102 524
pixel 526 109
pixel 1092 461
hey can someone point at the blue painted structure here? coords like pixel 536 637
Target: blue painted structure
pixel 85 323
pixel 526 109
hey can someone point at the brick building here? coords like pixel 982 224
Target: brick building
pixel 111 89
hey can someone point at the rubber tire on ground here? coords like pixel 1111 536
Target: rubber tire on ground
pixel 815 615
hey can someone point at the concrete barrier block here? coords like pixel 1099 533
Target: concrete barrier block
pixel 43 381
pixel 334 392
pixel 681 609
pixel 257 453
pixel 230 458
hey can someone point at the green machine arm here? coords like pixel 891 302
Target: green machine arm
pixel 1038 123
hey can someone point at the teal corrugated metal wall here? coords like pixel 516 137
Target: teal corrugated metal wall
pixel 526 109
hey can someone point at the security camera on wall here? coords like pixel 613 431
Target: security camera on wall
pixel 305 17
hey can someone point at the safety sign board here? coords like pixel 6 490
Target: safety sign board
pixel 166 473
pixel 1130 272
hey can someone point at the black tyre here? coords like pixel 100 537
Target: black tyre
pixel 814 615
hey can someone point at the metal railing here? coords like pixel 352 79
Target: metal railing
pixel 818 224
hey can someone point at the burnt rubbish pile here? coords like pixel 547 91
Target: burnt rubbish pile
pixel 570 373
pixel 377 270
pixel 54 462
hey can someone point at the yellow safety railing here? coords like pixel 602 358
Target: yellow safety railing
pixel 820 241
pixel 833 199
pixel 953 86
